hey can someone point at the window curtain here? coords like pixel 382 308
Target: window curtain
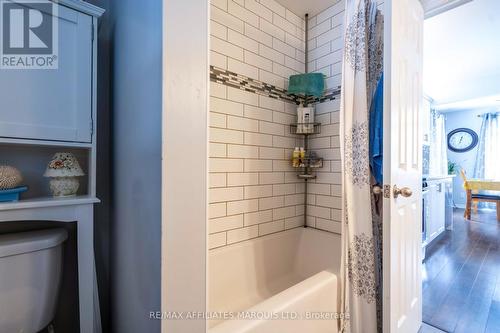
pixel 492 146
pixel 361 71
pixel 438 153
pixel 488 156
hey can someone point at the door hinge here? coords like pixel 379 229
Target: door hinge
pixel 91 128
pixel 92 32
pixel 387 191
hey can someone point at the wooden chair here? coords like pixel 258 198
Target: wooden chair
pixel 473 198
pixel 474 204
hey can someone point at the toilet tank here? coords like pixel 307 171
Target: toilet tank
pixel 30 275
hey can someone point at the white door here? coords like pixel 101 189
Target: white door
pixel 53 104
pixel 403 105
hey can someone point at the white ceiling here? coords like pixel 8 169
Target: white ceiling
pixel 435 7
pixel 303 7
pixel 488 102
pixel 462 53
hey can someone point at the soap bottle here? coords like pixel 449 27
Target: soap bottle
pixel 296 157
pixel 302 156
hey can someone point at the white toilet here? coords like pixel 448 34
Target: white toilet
pixel 30 276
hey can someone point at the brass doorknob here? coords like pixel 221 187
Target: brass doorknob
pixel 404 191
pixel 377 189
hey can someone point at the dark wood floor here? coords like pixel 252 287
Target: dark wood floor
pixel 425 328
pixel 461 277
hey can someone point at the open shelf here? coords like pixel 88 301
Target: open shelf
pixel 306 176
pixel 305 129
pixel 32 162
pixel 48 202
pixel 313 163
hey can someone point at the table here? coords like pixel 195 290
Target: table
pixel 480 185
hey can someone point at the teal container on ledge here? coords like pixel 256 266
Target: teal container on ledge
pixel 310 84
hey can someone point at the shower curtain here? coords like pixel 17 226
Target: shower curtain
pixel 362 69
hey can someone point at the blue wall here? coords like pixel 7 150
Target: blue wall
pixel 137 107
pixel 460 119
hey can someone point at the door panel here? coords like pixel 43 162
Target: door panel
pixel 53 104
pixel 403 106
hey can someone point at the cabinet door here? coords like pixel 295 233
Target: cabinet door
pixel 431 222
pixel 440 207
pixel 53 104
pixel 435 225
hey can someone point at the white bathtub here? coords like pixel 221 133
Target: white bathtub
pixel 291 276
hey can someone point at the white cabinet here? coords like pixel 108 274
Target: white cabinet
pixel 436 218
pixel 53 104
pixel 44 110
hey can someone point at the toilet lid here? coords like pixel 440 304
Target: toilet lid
pixel 30 241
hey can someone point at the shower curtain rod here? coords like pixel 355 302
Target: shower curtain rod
pixel 495 113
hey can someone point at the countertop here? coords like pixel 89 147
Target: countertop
pixel 436 177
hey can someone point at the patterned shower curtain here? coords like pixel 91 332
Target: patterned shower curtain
pixel 361 251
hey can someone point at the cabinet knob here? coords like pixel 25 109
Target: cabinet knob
pixel 404 191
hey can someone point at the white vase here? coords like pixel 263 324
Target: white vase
pixel 64 186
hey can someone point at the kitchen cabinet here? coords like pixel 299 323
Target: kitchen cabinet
pixel 436 202
pixel 437 207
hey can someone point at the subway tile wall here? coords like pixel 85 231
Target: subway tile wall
pixel 253 190
pixel 325 47
pixel 261 40
pixel 325 44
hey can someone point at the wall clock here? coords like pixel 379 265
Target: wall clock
pixel 461 140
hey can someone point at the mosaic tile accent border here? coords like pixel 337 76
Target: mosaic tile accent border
pixel 329 95
pixel 242 82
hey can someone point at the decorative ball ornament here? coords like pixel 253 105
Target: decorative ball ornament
pixel 10 177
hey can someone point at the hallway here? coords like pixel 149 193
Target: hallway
pixel 461 277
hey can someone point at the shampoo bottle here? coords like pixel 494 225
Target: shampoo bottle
pixel 302 157
pixel 296 157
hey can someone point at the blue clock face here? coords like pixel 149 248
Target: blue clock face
pixel 462 139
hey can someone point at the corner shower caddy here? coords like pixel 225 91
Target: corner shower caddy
pixel 308 164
